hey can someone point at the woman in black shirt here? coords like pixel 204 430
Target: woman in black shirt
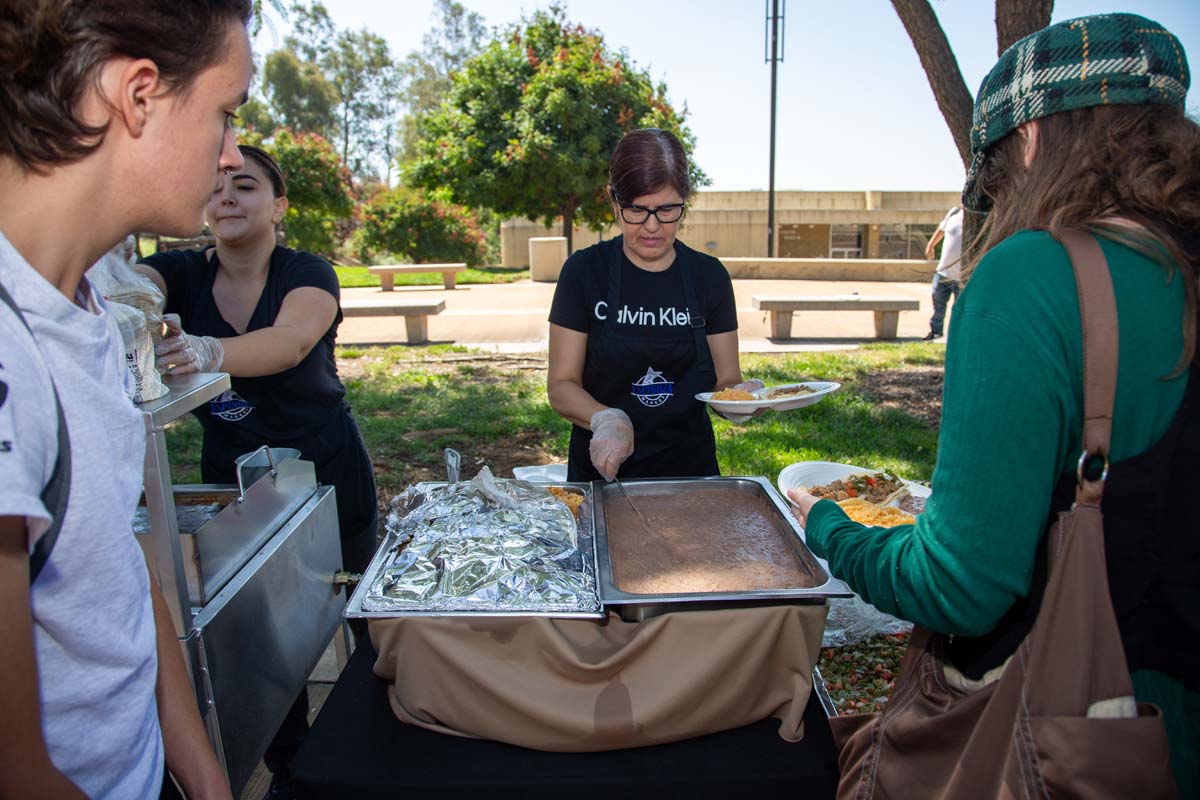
pixel 268 316
pixel 639 325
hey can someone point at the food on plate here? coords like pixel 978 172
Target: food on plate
pixel 572 500
pixel 733 394
pixel 789 391
pixel 878 487
pixel 913 505
pixel 866 513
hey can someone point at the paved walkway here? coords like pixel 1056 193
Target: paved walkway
pixel 512 317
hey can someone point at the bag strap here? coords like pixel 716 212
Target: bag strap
pixel 58 489
pixel 1098 317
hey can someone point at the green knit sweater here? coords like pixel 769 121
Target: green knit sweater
pixel 1011 426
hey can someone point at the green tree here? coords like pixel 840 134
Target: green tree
pixel 358 68
pixel 455 36
pixel 255 115
pixel 318 186
pixel 300 96
pixel 313 31
pixel 532 121
pixel 259 18
pixel 419 227
pixel 1014 20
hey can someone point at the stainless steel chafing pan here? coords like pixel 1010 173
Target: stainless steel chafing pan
pixel 696 534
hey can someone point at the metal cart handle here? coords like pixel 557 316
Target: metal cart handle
pixel 242 462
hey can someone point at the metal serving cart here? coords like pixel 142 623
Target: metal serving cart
pixel 249 573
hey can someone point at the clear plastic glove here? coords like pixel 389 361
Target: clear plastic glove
pixel 612 441
pixel 179 353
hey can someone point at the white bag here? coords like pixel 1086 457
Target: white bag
pixel 144 382
pixel 136 305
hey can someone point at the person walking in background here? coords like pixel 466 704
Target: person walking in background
pixel 949 268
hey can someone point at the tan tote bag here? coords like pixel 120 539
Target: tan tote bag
pixel 1060 719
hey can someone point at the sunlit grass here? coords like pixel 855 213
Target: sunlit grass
pixel 411 404
pixel 353 277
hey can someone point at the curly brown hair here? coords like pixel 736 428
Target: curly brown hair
pixel 51 50
pixel 1095 168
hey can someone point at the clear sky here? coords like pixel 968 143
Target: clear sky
pixel 854 108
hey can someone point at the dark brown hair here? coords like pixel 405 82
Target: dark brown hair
pixel 269 165
pixel 645 161
pixel 1092 167
pixel 51 51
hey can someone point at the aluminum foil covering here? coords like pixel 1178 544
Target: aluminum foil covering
pixel 485 545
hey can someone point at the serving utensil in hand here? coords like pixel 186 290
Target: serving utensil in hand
pixel 636 510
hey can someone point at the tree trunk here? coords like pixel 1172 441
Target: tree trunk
pixel 1016 19
pixel 941 67
pixel 568 218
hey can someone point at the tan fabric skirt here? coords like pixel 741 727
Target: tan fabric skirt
pixel 584 685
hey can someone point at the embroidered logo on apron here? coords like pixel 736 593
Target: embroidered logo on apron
pixel 230 407
pixel 652 389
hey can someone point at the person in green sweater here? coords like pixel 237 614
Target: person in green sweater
pixel 1080 125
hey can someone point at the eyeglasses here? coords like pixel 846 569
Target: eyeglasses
pixel 636 215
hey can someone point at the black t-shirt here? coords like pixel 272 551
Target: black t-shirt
pixel 651 303
pixel 283 407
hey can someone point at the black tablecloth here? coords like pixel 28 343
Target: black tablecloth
pixel 357 748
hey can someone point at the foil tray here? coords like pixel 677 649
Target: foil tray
pixel 393 543
pixel 813 585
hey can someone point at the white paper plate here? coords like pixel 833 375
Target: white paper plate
pixel 542 473
pixel 744 408
pixel 816 473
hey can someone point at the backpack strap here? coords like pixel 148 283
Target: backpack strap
pixel 58 489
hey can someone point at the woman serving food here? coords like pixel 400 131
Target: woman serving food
pixel 639 325
pixel 268 316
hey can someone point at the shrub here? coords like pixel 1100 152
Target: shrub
pixel 419 227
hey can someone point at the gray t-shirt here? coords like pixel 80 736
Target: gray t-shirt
pixel 93 622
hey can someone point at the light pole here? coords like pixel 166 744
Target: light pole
pixel 774 36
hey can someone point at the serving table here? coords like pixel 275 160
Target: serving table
pixel 358 748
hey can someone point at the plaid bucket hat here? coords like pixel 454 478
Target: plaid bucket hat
pixel 1105 59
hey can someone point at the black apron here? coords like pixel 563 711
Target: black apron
pixel 655 382
pixel 337 451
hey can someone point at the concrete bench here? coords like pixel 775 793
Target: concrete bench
pixel 387 271
pixel 887 310
pixel 415 312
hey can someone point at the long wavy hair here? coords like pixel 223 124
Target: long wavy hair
pixel 1099 169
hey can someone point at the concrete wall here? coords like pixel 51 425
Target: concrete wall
pixel 734 224
pixel 831 269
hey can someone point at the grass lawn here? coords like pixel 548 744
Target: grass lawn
pixel 412 402
pixel 350 277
